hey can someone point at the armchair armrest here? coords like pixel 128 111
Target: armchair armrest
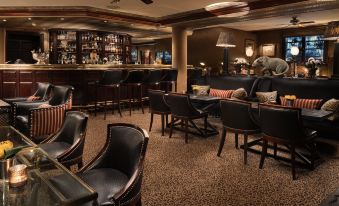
pixel 46 121
pixel 22 108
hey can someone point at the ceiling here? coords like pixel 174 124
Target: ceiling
pixel 148 22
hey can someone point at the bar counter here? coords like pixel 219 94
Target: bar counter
pixel 19 80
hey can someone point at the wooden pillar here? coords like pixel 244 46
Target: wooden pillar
pixel 2 45
pixel 179 56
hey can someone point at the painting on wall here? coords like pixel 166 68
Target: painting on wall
pixel 249 43
pixel 268 50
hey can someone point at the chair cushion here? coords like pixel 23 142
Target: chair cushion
pixel 221 93
pixel 106 181
pixel 54 149
pixel 332 105
pixel 303 103
pixel 239 94
pixel 200 90
pixel 266 97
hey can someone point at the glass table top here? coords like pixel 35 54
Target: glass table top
pixel 49 182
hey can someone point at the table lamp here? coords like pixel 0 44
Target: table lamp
pixel 225 41
pixel 294 52
pixel 332 33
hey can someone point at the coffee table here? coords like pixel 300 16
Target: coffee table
pixel 46 178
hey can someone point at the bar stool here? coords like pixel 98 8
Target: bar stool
pixel 170 78
pixel 134 83
pixel 111 81
pixel 193 77
pixel 154 78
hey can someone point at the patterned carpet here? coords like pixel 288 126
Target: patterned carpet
pixel 191 174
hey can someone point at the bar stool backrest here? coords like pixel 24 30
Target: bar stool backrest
pixel 237 115
pixel 135 76
pixel 154 76
pixel 281 122
pixel 111 77
pixel 171 75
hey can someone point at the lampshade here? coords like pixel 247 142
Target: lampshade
pixel 294 50
pixel 249 51
pixel 225 40
pixel 332 31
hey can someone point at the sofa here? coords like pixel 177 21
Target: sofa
pixel 324 89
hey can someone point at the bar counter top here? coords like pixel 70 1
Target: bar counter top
pixel 82 66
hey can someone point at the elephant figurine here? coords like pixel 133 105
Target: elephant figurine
pixel 275 66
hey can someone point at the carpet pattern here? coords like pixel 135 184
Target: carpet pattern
pixel 191 174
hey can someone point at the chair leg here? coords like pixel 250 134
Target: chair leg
pixel 80 164
pixel 205 126
pixel 105 107
pixel 138 203
pixel 236 140
pixel 162 124
pixel 140 99
pixel 150 125
pixel 171 129
pixel 96 101
pixel 263 154
pixel 166 120
pixel 313 153
pixel 275 150
pixel 186 131
pixel 293 162
pixel 130 91
pixel 222 141
pixel 245 148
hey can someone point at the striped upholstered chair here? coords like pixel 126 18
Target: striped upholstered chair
pixel 39 119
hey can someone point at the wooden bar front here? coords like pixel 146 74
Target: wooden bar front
pixel 20 80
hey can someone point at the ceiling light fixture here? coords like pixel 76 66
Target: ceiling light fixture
pixel 4 20
pixel 62 18
pixel 29 18
pixel 216 7
pixel 33 24
pixel 105 21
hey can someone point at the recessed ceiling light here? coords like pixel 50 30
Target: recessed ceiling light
pixel 33 24
pixel 242 6
pixel 62 18
pixel 105 21
pixel 225 4
pixel 29 18
pixel 4 20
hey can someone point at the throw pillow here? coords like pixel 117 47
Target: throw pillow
pixel 221 93
pixel 32 98
pixel 332 105
pixel 267 97
pixel 44 106
pixel 303 103
pixel 200 90
pixel 239 94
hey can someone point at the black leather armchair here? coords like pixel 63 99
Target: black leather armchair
pixel 67 144
pixel 283 125
pixel 158 106
pixel 116 173
pixel 41 94
pixel 183 110
pixel 40 119
pixel 236 117
pixel 170 78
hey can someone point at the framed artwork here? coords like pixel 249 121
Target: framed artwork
pixel 268 50
pixel 249 43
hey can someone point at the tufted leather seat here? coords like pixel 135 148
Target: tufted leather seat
pixel 116 172
pixel 67 144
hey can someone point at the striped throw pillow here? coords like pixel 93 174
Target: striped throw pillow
pixel 303 103
pixel 221 93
